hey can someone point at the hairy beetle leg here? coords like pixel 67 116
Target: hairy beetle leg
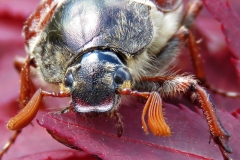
pixel 194 8
pixel 9 143
pixel 172 85
pixel 198 67
pixel 218 132
pixel 153 106
pixel 29 106
pixel 26 89
pixel 184 34
pixel 66 110
pixel 119 123
pixel 26 115
pixel 19 63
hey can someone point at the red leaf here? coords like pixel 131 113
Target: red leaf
pixel 33 142
pixel 230 22
pixel 236 113
pixel 16 8
pixel 237 65
pixel 59 155
pixel 98 135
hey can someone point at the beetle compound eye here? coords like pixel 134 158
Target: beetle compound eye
pixel 68 80
pixel 121 75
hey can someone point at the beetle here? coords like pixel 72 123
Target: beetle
pixel 97 51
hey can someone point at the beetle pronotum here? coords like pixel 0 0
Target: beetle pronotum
pixel 96 51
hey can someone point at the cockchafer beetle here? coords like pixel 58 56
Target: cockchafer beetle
pixel 98 50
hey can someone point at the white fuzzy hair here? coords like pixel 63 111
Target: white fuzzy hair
pixel 164 27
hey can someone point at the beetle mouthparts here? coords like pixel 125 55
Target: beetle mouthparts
pixel 93 102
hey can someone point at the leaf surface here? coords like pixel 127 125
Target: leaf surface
pixel 98 135
pixel 229 20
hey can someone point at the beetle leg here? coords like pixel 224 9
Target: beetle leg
pixel 218 132
pixel 29 106
pixel 9 143
pixel 172 85
pixel 119 123
pixel 197 63
pixel 19 63
pixel 193 9
pixel 183 34
pixel 26 115
pixel 153 106
pixel 66 110
pixel 26 88
pixel 24 96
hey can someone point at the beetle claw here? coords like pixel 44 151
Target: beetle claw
pixel 223 143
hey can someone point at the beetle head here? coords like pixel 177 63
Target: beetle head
pixel 94 81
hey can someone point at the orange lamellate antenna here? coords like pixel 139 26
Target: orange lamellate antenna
pixel 25 116
pixel 156 121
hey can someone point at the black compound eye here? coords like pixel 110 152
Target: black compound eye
pixel 121 75
pixel 68 80
pixel 118 79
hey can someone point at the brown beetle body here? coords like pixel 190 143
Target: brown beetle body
pixel 135 31
pixel 58 43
